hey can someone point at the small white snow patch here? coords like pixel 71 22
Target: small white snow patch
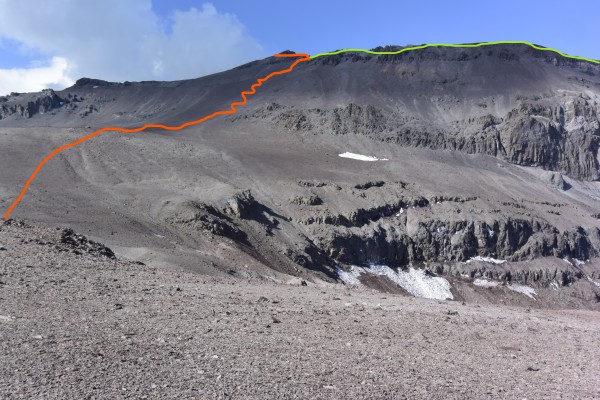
pixel 414 281
pixel 360 157
pixel 485 283
pixel 577 262
pixel 351 277
pixel 95 87
pixel 554 285
pixel 526 290
pixel 567 261
pixel 486 259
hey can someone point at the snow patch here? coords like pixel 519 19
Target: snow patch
pixel 593 281
pixel 526 290
pixel 485 283
pixel 351 277
pixel 554 285
pixel 414 281
pixel 360 157
pixel 486 259
pixel 577 262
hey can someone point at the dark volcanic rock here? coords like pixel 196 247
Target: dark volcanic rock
pixel 91 82
pixel 79 243
pixel 31 104
pixel 442 241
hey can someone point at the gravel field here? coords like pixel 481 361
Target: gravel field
pixel 76 324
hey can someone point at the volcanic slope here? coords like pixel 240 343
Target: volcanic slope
pixel 487 169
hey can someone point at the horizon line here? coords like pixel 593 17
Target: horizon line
pixel 464 45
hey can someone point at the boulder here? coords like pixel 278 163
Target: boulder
pixel 555 180
pixel 240 204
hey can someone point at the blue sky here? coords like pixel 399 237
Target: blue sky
pixel 50 43
pixel 316 26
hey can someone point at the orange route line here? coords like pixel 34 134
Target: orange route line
pixel 302 57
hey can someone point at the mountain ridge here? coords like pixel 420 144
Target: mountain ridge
pixel 515 132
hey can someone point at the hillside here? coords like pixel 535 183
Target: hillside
pixel 486 183
pixel 77 323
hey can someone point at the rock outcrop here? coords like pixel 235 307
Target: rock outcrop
pixel 436 240
pixel 27 105
pixel 240 204
pixel 563 137
pixel 554 180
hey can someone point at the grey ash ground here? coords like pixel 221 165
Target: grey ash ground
pixel 75 323
pixel 485 190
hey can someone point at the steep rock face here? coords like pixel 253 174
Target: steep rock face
pixel 436 240
pixel 28 105
pixel 545 277
pixel 564 137
pixel 406 232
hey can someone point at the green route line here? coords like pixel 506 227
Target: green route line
pixel 482 44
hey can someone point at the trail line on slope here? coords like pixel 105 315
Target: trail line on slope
pixel 470 45
pixel 303 57
pixel 232 110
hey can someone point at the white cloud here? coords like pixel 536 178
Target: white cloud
pixel 121 40
pixel 56 75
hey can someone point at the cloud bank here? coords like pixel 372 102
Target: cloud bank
pixel 119 40
pixel 34 79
